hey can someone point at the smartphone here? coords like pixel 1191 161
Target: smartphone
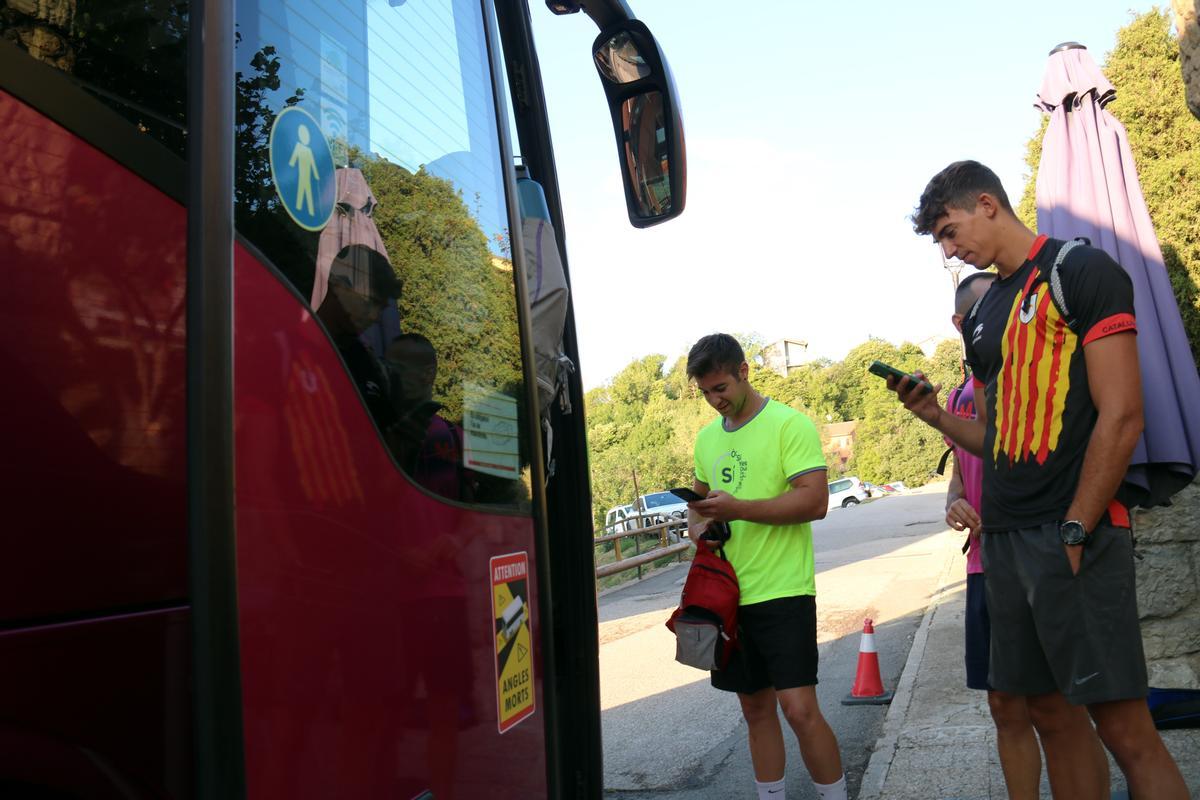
pixel 884 370
pixel 686 494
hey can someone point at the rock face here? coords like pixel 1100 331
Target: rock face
pixel 1187 24
pixel 1168 589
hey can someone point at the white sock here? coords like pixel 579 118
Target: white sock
pixel 770 790
pixel 832 791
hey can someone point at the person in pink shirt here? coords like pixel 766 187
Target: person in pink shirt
pixel 1020 757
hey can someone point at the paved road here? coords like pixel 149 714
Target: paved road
pixel 669 736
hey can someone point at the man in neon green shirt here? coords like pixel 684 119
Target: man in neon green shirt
pixel 761 469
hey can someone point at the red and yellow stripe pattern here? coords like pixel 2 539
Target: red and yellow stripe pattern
pixel 1032 387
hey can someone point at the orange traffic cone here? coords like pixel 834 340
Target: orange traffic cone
pixel 868 686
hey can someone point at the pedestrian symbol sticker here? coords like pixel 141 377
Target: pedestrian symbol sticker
pixel 514 642
pixel 302 168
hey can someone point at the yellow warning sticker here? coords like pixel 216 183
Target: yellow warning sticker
pixel 514 642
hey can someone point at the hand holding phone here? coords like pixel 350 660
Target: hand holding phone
pixel 885 371
pixel 686 495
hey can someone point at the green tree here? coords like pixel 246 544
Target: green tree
pixel 677 383
pixel 945 366
pixel 637 383
pixel 890 443
pixel 853 381
pixel 1027 208
pixel 440 253
pixel 631 424
pixel 817 394
pixel 1165 140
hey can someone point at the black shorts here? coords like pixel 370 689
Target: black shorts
pixel 979 631
pixel 778 647
pixel 1057 632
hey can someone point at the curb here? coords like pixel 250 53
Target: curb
pixel 876 773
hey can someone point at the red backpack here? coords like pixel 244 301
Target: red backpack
pixel 705 624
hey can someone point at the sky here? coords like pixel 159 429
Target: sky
pixel 811 131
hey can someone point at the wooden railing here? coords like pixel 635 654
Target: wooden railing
pixel 640 559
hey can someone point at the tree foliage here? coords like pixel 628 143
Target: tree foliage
pixel 455 291
pixel 1165 140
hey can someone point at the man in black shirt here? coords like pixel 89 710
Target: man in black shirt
pixel 1052 347
pixel 361 283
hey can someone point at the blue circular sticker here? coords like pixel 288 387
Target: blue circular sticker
pixel 302 168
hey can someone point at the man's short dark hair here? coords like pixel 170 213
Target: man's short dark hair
pixel 964 295
pixel 715 352
pixel 420 344
pixel 957 186
pixel 367 271
pixel 415 338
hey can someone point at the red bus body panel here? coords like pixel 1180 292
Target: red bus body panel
pixel 367 634
pixel 94 643
pixel 92 454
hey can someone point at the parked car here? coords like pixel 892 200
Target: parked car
pixel 659 507
pixel 846 492
pixel 621 519
pixel 664 506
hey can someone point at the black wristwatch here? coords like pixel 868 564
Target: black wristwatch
pixel 1072 532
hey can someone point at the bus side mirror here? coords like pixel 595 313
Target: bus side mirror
pixel 646 120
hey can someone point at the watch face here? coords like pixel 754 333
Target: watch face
pixel 1072 532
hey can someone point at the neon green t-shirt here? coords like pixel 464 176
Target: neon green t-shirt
pixel 758 461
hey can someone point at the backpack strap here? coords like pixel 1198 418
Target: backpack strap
pixel 951 403
pixel 717 534
pixel 1056 290
pixel 956 392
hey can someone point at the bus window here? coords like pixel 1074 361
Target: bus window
pixel 129 54
pixel 369 175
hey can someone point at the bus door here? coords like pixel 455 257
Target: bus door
pixel 386 455
pixel 391 517
pixel 651 159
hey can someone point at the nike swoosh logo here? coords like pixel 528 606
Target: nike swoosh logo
pixel 774 791
pixel 1081 681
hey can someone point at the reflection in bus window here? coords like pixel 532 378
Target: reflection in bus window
pixel 428 446
pixel 646 152
pixel 129 54
pixel 403 96
pixel 361 285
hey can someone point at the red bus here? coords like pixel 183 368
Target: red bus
pixel 293 452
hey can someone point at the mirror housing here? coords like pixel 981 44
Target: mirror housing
pixel 646 121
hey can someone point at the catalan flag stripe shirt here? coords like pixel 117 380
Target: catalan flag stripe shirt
pixel 1031 365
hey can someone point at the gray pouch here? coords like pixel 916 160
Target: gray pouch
pixel 698 641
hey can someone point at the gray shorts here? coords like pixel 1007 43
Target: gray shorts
pixel 1054 631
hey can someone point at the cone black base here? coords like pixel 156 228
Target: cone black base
pixel 877 700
